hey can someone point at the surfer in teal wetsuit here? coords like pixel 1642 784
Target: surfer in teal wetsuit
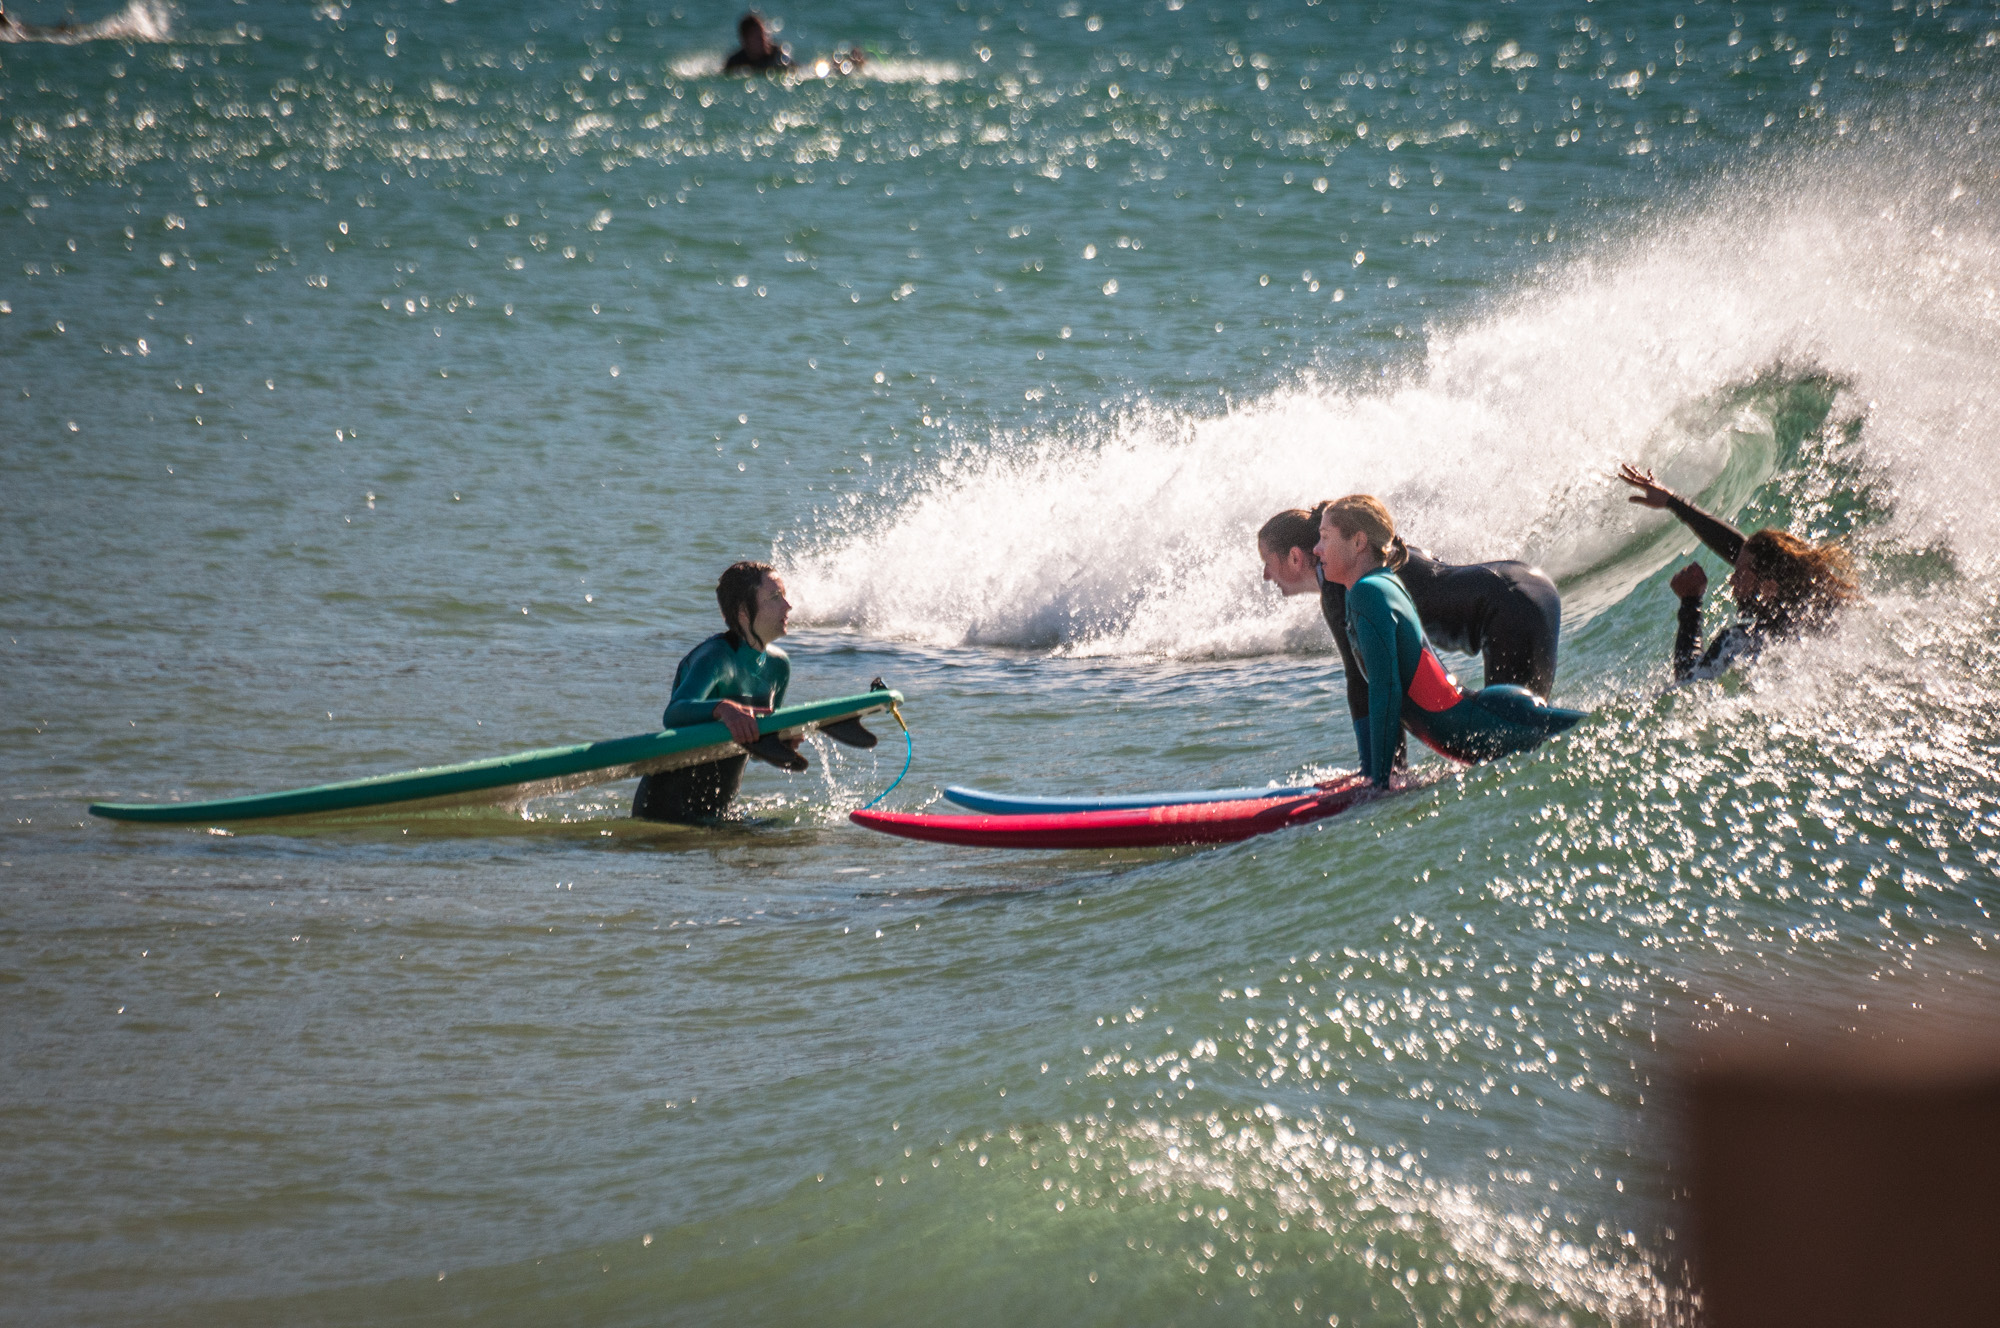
pixel 1508 613
pixel 1407 686
pixel 1783 585
pixel 734 676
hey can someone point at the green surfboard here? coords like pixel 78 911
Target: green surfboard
pixel 505 779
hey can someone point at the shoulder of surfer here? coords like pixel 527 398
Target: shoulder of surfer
pixel 1420 562
pixel 717 651
pixel 1421 569
pixel 1427 581
pixel 1375 592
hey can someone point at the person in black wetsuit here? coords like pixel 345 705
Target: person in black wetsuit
pixel 734 676
pixel 1782 584
pixel 1508 613
pixel 758 53
pixel 1409 690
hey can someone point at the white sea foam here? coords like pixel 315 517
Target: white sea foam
pixel 894 69
pixel 138 21
pixel 879 69
pixel 1876 264
pixel 701 64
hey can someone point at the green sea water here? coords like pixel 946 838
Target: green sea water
pixel 385 384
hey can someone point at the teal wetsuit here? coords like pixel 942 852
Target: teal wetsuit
pixel 723 668
pixel 1389 643
pixel 726 668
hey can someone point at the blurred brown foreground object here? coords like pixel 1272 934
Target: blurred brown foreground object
pixel 1859 1192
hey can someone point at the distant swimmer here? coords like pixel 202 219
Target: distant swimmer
pixel 1408 688
pixel 1508 613
pixel 734 676
pixel 1784 586
pixel 14 29
pixel 758 53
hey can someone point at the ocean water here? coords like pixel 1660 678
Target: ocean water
pixel 385 383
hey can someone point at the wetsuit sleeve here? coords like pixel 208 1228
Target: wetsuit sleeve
pixel 781 677
pixel 1362 745
pixel 697 689
pixel 1687 638
pixel 1717 534
pixel 1375 642
pixel 1333 607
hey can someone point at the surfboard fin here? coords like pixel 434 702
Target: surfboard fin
pixel 850 732
pixel 769 750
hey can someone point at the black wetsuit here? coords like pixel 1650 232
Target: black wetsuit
pixel 773 61
pixel 723 668
pixel 1412 692
pixel 1508 613
pixel 1742 640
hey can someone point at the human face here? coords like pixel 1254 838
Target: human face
pixel 767 624
pixel 1344 558
pixel 1291 571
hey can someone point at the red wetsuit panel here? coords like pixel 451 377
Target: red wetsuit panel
pixel 1433 689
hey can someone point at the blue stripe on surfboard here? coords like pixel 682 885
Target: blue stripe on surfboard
pixel 1007 804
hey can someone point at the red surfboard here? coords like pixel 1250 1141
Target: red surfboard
pixel 1126 827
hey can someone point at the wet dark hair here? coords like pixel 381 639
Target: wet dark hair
pixel 1812 579
pixel 1293 528
pixel 1298 528
pixel 749 23
pixel 737 589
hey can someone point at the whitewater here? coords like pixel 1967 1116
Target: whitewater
pixel 1675 344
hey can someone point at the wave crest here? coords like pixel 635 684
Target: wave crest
pixel 1680 347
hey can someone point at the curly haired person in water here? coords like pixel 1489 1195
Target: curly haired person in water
pixel 1784 586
